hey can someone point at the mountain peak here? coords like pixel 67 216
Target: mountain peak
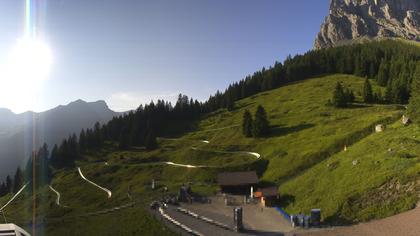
pixel 80 102
pixel 350 20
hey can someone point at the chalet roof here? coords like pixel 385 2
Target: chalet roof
pixel 237 178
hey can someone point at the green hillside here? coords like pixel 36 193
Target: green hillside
pixel 304 130
pixel 374 178
pixel 303 154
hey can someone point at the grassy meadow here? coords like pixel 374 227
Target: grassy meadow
pixel 303 155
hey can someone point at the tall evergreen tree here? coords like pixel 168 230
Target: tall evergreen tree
pixel 43 172
pixel 150 142
pixel 55 158
pixel 98 139
pixel 124 139
pixel 82 141
pixel 230 105
pixel 382 77
pixel 247 124
pixel 367 92
pixel 261 125
pixel 3 189
pixel 339 97
pixel 18 180
pixel 9 184
pixel 414 105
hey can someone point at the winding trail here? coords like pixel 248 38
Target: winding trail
pixel 94 184
pixel 57 200
pixel 13 198
pixel 254 154
pixel 187 166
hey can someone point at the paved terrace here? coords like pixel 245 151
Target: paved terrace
pixel 256 221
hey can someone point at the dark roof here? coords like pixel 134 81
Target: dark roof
pixel 269 191
pixel 237 178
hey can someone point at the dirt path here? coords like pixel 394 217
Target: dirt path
pixel 406 224
pixel 186 166
pixel 13 198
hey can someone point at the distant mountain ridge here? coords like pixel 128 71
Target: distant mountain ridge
pixel 20 133
pixel 350 20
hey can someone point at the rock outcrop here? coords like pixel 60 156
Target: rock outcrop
pixel 354 20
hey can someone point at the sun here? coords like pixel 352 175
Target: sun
pixel 29 61
pixel 24 72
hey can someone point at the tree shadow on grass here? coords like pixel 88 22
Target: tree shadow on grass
pixel 358 105
pixel 285 200
pixel 337 220
pixel 277 130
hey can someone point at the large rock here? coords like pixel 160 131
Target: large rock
pixel 355 20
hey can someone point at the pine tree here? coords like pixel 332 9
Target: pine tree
pixel 82 141
pixel 150 142
pixel 261 125
pixel 230 105
pixel 247 124
pixel 9 184
pixel 18 180
pixel 339 97
pixel 124 139
pixel 389 92
pixel 383 73
pixel 367 92
pixel 3 189
pixel 349 95
pixel 98 139
pixel 372 71
pixel 43 172
pixel 55 158
pixel 414 105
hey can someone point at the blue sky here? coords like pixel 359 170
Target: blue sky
pixel 128 52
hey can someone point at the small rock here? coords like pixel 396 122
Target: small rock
pixel 355 162
pixel 379 128
pixel 405 120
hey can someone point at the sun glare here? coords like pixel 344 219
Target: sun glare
pixel 25 68
pixel 23 73
pixel 29 62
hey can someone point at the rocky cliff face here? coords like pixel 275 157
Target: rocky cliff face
pixel 358 19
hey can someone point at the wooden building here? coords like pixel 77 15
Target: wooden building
pixel 237 182
pixel 268 196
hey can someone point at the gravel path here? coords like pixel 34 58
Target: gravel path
pixel 94 184
pixel 57 200
pixel 13 198
pixel 407 224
